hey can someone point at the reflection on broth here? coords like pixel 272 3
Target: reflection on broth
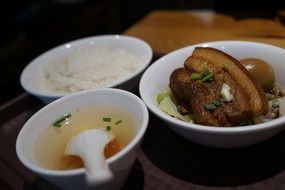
pixel 52 142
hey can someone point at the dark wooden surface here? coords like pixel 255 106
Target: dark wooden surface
pixel 166 160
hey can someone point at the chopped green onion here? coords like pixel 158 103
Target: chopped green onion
pixel 208 78
pixel 210 107
pixel 205 76
pixel 58 123
pixel 118 122
pixel 195 76
pixel 108 128
pixel 217 102
pixel 205 73
pixel 106 119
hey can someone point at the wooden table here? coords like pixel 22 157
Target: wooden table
pixel 166 31
pixel 166 160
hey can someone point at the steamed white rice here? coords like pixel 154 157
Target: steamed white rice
pixel 89 68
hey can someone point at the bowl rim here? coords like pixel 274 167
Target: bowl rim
pixel 61 173
pixel 203 128
pixel 34 62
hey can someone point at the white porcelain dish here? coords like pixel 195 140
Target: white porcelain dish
pixel 154 82
pixel 120 164
pixel 33 78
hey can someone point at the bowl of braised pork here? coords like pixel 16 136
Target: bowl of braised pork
pixel 224 94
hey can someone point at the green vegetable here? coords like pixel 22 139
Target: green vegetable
pixel 204 73
pixel 195 76
pixel 208 78
pixel 217 102
pixel 58 123
pixel 214 105
pixel 205 76
pixel 108 128
pixel 106 119
pixel 210 107
pixel 189 118
pixel 118 122
pixel 161 96
pixel 169 107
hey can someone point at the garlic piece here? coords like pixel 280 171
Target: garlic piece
pixel 226 93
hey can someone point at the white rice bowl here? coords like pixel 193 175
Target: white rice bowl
pixel 88 63
pixel 89 68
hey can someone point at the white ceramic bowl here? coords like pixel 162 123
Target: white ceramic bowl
pixel 154 82
pixel 32 77
pixel 120 164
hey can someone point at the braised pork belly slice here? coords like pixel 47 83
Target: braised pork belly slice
pixel 200 85
pixel 258 101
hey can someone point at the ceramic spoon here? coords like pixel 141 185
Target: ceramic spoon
pixel 89 145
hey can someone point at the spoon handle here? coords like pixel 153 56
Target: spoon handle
pixel 98 169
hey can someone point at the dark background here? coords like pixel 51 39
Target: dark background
pixel 30 27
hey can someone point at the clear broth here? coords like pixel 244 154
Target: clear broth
pixel 52 142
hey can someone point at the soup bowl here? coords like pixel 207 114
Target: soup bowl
pixel 116 61
pixel 120 163
pixel 154 82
